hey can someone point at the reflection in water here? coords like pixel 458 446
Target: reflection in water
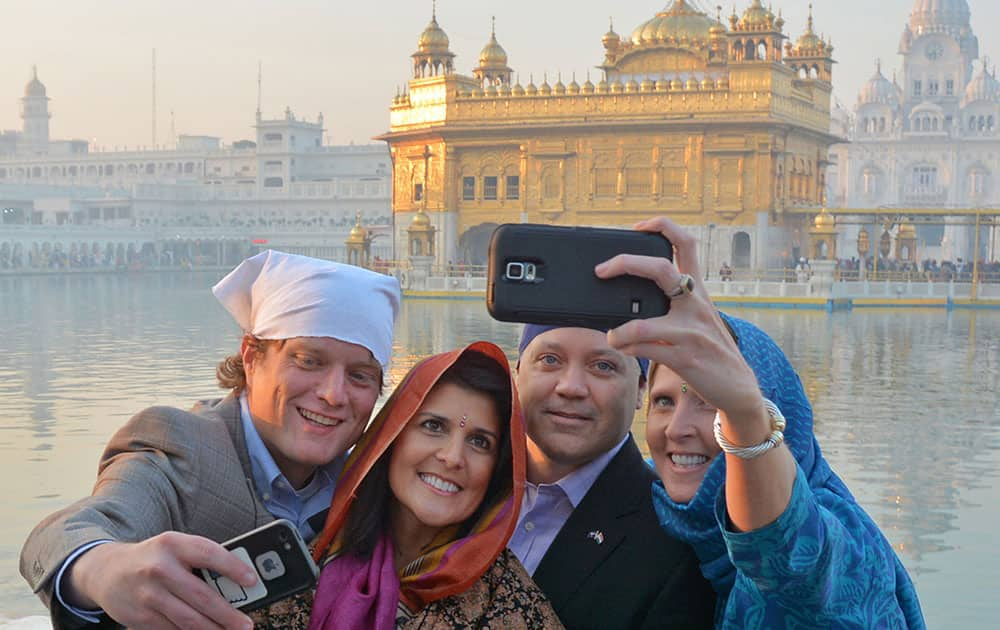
pixel 905 401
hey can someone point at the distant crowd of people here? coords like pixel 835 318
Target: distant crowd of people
pixel 929 270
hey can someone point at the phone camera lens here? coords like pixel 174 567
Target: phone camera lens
pixel 515 271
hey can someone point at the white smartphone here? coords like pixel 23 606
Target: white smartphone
pixel 283 564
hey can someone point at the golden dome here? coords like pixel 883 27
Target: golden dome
pixel 825 221
pixel 493 55
pixel 611 38
pixel 809 42
pixel 679 22
pixel 420 221
pixel 433 39
pixel 358 233
pixel 756 18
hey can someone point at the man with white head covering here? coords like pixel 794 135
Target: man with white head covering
pixel 173 484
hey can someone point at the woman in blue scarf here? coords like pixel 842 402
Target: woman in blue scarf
pixel 779 535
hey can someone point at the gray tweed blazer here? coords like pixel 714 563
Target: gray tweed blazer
pixel 166 469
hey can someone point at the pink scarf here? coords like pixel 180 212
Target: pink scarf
pixel 355 594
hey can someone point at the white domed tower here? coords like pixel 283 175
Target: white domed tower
pixel 938 48
pixel 981 105
pixel 878 107
pixel 35 114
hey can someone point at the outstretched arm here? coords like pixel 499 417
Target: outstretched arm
pixel 693 341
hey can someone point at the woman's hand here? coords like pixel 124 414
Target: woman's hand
pixel 691 339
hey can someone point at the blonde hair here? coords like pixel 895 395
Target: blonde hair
pixel 230 372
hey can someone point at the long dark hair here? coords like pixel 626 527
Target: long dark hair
pixel 369 513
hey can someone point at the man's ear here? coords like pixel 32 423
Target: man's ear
pixel 640 393
pixel 248 352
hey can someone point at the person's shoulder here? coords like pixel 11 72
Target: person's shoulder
pixel 170 428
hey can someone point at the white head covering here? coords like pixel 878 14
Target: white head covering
pixel 275 295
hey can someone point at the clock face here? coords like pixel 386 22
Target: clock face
pixel 934 51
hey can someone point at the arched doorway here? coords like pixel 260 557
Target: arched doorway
pixel 741 250
pixel 474 245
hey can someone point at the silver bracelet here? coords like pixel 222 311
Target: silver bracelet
pixel 750 452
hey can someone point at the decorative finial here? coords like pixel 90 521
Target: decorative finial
pixel 493 27
pixel 359 217
pixel 878 66
pixel 434 10
pixel 34 72
pixel 810 17
pixel 718 13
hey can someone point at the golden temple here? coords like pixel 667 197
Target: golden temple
pixel 722 125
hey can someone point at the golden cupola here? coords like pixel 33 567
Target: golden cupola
pixel 756 18
pixel 612 43
pixel 809 42
pixel 810 56
pixel 358 233
pixel 492 68
pixel 678 24
pixel 433 56
pixel 825 221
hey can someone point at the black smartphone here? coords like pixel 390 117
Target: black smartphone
pixel 283 564
pixel 544 274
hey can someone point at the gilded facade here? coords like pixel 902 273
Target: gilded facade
pixel 723 124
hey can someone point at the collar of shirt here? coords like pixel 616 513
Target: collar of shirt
pixel 577 484
pixel 278 495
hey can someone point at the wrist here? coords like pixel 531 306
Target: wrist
pixel 752 450
pixel 748 425
pixel 78 585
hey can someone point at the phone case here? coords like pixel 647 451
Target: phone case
pixel 543 274
pixel 283 564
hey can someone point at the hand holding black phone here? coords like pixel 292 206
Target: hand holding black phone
pixel 544 274
pixel 281 560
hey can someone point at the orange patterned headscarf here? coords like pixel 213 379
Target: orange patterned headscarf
pixel 452 565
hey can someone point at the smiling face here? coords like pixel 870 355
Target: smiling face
pixel 578 395
pixel 679 434
pixel 310 399
pixel 439 470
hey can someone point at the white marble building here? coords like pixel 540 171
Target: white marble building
pixel 925 138
pixel 286 187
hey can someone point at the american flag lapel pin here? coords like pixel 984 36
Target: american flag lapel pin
pixel 597 536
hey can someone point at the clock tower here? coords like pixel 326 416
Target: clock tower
pixel 938 48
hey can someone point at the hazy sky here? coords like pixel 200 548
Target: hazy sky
pixel 344 58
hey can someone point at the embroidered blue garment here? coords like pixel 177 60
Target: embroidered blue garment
pixel 823 562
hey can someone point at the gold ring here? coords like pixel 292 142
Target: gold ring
pixel 685 286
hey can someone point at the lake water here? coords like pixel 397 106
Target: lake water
pixel 906 406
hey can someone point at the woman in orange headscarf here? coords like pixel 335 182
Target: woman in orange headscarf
pixel 417 530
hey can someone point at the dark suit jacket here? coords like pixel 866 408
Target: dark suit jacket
pixel 165 470
pixel 638 577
